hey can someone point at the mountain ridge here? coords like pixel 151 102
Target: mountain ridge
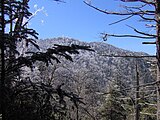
pixel 64 40
pixel 98 60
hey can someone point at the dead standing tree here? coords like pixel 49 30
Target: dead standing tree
pixel 152 16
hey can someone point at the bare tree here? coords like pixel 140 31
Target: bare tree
pixel 149 15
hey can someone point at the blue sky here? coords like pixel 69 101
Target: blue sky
pixel 75 19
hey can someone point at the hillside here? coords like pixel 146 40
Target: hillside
pixel 106 68
pixel 91 73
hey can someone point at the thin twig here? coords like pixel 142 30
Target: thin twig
pixel 137 31
pixel 105 35
pixel 128 56
pixel 116 13
pixel 121 20
pixel 148 19
pixel 143 85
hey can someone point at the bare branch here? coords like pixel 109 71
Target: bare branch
pixel 148 19
pixel 135 7
pixel 150 26
pixel 117 13
pixel 121 20
pixel 143 85
pixel 127 56
pixel 59 1
pixel 147 2
pixel 144 1
pixel 105 35
pixel 139 9
pixel 142 33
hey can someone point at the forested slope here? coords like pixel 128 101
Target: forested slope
pixel 91 74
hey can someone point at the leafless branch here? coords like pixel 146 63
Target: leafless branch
pixel 117 13
pixel 127 56
pixel 148 19
pixel 142 33
pixel 106 35
pixel 143 85
pixel 144 1
pixel 148 2
pixel 59 1
pixel 149 25
pixel 139 9
pixel 134 7
pixel 121 20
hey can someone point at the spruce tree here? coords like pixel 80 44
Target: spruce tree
pixel 113 108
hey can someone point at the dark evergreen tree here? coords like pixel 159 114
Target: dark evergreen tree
pixel 113 108
pixel 20 97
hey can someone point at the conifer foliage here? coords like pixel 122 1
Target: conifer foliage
pixel 20 97
pixel 113 108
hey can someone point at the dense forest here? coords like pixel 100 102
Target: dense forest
pixel 65 79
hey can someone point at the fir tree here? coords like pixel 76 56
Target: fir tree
pixel 113 108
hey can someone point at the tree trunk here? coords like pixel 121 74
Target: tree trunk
pixel 158 54
pixel 157 15
pixel 158 95
pixel 2 69
pixel 137 112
